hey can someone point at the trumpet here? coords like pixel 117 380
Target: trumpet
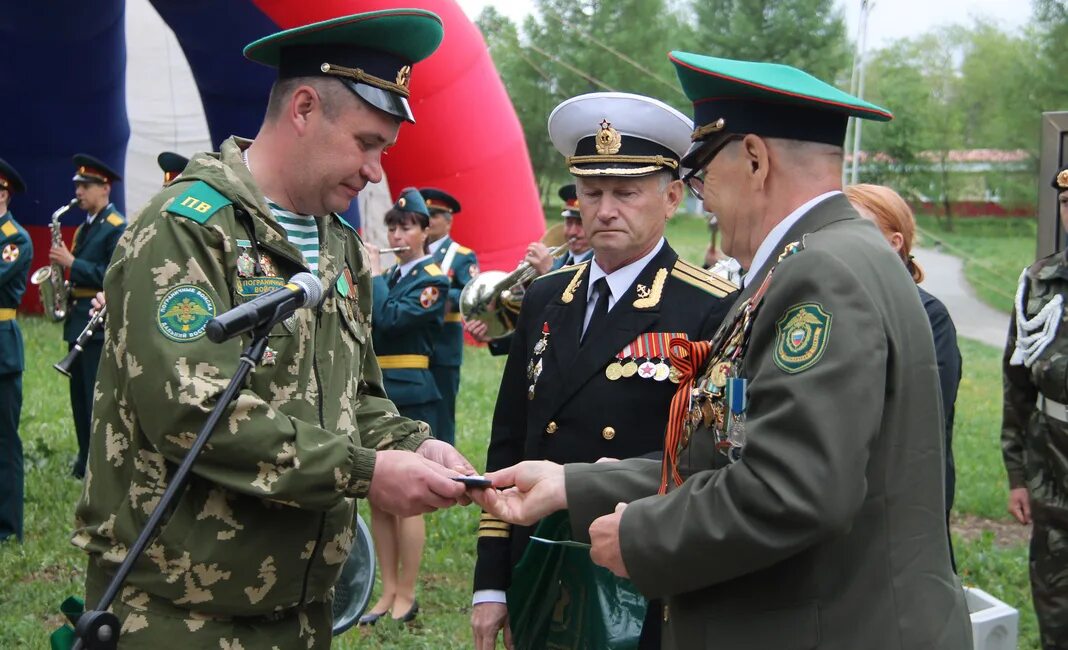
pixel 494 297
pixel 90 328
pixel 49 279
pixel 395 249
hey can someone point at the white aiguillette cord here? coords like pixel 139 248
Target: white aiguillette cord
pixel 1033 335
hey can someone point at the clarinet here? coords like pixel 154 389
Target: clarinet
pixel 87 333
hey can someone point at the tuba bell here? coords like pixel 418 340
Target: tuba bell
pixel 49 279
pixel 494 297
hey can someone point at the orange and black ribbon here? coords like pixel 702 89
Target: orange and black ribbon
pixel 688 357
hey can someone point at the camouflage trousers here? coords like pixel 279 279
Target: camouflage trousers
pixel 1049 578
pixel 148 623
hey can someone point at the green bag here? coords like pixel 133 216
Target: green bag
pixel 560 599
pixel 63 638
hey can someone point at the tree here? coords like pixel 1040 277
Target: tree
pixel 807 34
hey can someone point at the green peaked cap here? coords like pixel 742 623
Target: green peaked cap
pixel 372 53
pixel 768 99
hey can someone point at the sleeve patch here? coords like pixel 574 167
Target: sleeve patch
pixel 10 253
pixel 198 203
pixel 801 337
pixel 428 297
pixel 183 313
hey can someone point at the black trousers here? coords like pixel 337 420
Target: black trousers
pixel 11 469
pixel 82 380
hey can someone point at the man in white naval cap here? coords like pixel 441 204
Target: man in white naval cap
pixel 587 374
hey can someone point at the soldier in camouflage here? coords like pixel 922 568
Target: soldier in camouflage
pixel 1034 433
pixel 251 552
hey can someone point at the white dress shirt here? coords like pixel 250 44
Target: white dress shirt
pixel 779 231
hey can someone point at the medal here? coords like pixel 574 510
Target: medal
pixel 630 368
pixel 647 370
pixel 613 372
pixel 659 349
pixel 662 371
pixel 674 376
pixel 245 265
pixel 719 374
pixel 543 343
pixel 737 401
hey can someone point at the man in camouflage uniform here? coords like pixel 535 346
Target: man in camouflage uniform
pixel 1034 433
pixel 249 556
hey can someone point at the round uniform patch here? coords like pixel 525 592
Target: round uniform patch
pixel 473 271
pixel 428 297
pixel 801 337
pixel 11 253
pixel 184 312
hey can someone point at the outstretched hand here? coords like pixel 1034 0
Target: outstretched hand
pixel 535 489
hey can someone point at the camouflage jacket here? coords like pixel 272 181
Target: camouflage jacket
pixel 266 521
pixel 1035 445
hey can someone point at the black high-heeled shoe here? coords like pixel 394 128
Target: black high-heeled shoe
pixel 371 618
pixel 409 616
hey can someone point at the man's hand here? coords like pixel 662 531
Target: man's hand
pixel 445 455
pixel 538 256
pixel 1020 505
pixel 604 537
pixel 375 258
pixel 487 620
pixel 406 484
pixel 60 255
pixel 98 303
pixel 539 491
pixel 478 330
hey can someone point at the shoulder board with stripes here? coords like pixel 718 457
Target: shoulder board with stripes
pixel 433 269
pixel 463 250
pixel 115 220
pixel 702 279
pixel 564 269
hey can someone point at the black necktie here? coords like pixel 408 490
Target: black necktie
pixel 600 308
pixel 394 279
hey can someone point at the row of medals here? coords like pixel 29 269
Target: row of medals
pixel 648 369
pixel 714 394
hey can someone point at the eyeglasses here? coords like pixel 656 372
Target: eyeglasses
pixel 695 179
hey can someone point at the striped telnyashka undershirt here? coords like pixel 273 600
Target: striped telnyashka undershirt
pixel 302 232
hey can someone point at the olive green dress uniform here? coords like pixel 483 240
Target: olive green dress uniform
pixel 407 320
pixel 16 253
pixel 448 353
pixel 94 243
pixel 1034 435
pixel 810 512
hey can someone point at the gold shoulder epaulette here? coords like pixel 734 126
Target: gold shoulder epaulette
pixel 434 269
pixel 702 279
pixel 463 250
pixel 563 269
pixel 490 526
pixel 115 220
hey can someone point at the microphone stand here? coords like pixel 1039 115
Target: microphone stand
pixel 98 629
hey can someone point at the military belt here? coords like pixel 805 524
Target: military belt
pixel 400 361
pixel 82 292
pixel 453 317
pixel 7 314
pixel 1055 410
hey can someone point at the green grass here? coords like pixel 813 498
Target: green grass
pixel 994 252
pixel 36 576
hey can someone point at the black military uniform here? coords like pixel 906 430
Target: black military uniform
pixel 16 252
pixel 94 242
pixel 609 396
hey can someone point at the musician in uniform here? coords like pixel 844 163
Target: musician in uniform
pixel 250 556
pixel 16 252
pixel 587 375
pixel 409 310
pixel 86 261
pixel 460 266
pixel 799 503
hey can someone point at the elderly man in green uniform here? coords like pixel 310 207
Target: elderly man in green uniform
pixel 16 252
pixel 86 261
pixel 1035 426
pixel 251 552
pixel 461 266
pixel 799 503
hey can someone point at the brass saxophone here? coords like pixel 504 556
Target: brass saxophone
pixel 49 279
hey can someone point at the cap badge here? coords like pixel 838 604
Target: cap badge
pixel 1062 179
pixel 404 76
pixel 401 202
pixel 608 139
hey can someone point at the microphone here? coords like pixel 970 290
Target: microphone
pixel 302 290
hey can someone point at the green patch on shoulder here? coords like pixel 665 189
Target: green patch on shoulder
pixel 198 202
pixel 183 313
pixel 801 337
